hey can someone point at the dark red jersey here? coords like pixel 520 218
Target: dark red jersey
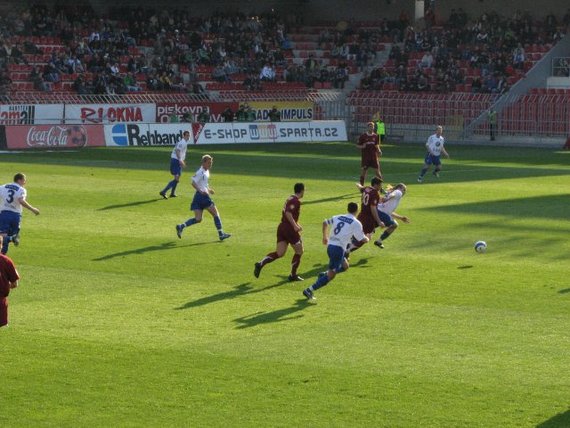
pixel 8 274
pixel 370 199
pixel 293 206
pixel 371 144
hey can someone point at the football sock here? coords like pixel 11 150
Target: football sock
pixel 173 191
pixel 268 259
pixel 320 282
pixel 340 269
pixel 295 264
pixel 423 172
pixel 168 186
pixel 362 180
pixel 3 311
pixel 385 235
pixel 218 223
pixel 5 245
pixel 189 222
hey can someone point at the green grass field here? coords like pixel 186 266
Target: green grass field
pixel 117 322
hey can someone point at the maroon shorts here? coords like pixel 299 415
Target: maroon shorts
pixel 285 232
pixel 370 163
pixel 368 225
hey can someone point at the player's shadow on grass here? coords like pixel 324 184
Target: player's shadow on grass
pixel 278 315
pixel 332 199
pixel 564 291
pixel 162 247
pixel 246 288
pixel 559 420
pixel 129 204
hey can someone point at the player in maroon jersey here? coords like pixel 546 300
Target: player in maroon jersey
pixel 368 215
pixel 288 233
pixel 369 144
pixel 8 279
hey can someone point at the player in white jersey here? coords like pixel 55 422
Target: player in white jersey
pixel 177 162
pixel 387 212
pixel 434 146
pixel 13 199
pixel 343 229
pixel 202 200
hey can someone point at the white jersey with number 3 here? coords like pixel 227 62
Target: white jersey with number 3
pixel 11 195
pixel 343 228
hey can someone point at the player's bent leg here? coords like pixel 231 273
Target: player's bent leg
pixel 174 185
pixel 296 261
pixel 271 257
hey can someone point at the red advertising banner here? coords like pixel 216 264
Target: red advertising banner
pixel 109 113
pixel 54 136
pixel 165 110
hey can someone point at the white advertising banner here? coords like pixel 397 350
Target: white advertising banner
pixel 109 113
pixel 274 132
pixel 144 134
pixel 26 114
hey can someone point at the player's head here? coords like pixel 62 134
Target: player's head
pixel 439 130
pixel 371 126
pixel 299 188
pixel 352 207
pixel 207 161
pixel 376 182
pixel 20 179
pixel 402 187
pixel 186 135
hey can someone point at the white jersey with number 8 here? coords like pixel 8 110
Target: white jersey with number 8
pixel 343 228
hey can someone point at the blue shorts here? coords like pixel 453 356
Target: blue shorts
pixel 336 257
pixel 10 222
pixel 201 202
pixel 432 160
pixel 175 167
pixel 386 219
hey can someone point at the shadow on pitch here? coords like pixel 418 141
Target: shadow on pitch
pixel 162 247
pixel 540 206
pixel 129 204
pixel 564 291
pixel 332 199
pixel 246 288
pixel 278 315
pixel 557 421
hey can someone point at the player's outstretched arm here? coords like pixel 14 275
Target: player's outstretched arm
pixel 401 217
pixel 325 232
pixel 25 204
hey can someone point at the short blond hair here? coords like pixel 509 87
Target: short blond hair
pixel 206 158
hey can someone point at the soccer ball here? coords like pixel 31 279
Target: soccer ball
pixel 480 246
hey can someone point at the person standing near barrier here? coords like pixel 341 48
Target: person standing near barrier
pixel 13 198
pixel 177 162
pixel 434 146
pixel 492 117
pixel 369 144
pixel 380 127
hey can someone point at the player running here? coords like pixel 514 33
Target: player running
pixel 288 233
pixel 13 198
pixel 435 148
pixel 202 200
pixel 344 228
